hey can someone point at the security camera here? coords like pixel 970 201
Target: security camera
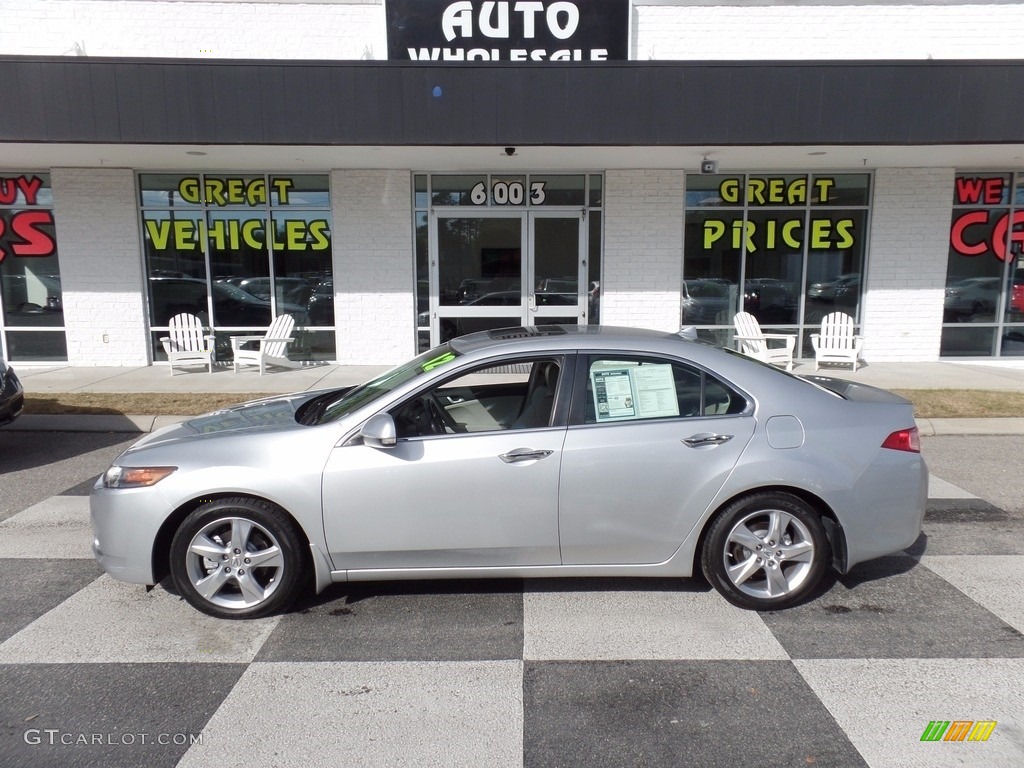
pixel 509 151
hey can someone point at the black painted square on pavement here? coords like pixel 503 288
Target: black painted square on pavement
pixel 32 587
pixel 83 488
pixel 404 621
pixel 953 536
pixel 109 715
pixel 893 608
pixel 667 714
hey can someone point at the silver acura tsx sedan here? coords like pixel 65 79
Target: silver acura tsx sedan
pixel 546 451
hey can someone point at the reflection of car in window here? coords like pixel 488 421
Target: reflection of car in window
pixel 470 289
pixel 830 290
pixel 971 297
pixel 1017 296
pixel 705 302
pixel 320 305
pixel 558 285
pixel 260 286
pixel 232 306
pixel 770 301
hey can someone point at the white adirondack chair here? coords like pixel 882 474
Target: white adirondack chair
pixel 754 343
pixel 186 344
pixel 837 343
pixel 269 349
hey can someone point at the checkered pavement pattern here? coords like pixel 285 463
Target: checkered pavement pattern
pixel 615 672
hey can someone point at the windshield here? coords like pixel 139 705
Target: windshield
pixel 383 384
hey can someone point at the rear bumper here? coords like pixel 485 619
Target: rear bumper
pixel 886 508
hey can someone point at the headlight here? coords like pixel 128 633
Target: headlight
pixel 134 477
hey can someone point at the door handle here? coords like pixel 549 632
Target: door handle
pixel 524 454
pixel 706 438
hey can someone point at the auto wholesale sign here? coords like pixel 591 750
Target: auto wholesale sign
pixel 513 30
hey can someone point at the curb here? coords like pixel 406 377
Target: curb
pixel 146 424
pixel 983 426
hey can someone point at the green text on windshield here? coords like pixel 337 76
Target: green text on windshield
pixel 389 382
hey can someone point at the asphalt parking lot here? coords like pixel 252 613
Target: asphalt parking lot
pixel 609 672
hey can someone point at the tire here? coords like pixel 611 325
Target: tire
pixel 766 551
pixel 260 575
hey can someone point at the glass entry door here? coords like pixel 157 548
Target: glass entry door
pixel 505 269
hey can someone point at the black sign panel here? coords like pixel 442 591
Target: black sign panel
pixel 507 30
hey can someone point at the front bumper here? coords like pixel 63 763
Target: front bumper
pixel 125 523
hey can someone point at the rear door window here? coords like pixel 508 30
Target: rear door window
pixel 617 388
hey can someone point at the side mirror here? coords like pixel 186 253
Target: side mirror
pixel 379 431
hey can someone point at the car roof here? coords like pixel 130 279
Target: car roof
pixel 559 336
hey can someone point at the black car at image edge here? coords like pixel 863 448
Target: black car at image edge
pixel 12 395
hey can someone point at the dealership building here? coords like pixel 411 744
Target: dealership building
pixel 396 172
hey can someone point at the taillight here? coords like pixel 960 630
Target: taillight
pixel 904 440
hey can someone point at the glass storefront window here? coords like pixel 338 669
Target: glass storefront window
pixel 237 251
pixel 557 190
pixel 594 266
pixel 455 190
pixel 788 248
pixel 483 260
pixel 419 190
pixel 984 279
pixel 596 191
pixel 500 249
pixel 31 298
pixel 300 191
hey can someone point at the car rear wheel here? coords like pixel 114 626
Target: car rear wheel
pixel 237 558
pixel 766 551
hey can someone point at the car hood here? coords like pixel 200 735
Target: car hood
pixel 270 414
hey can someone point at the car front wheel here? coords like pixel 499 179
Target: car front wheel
pixel 766 551
pixel 237 558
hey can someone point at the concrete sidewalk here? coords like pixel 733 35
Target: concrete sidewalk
pixel 1002 376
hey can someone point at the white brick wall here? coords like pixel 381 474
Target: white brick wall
pixel 100 266
pixel 665 31
pixel 908 249
pixel 643 250
pixel 374 304
pixel 224 29
pixel 214 30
